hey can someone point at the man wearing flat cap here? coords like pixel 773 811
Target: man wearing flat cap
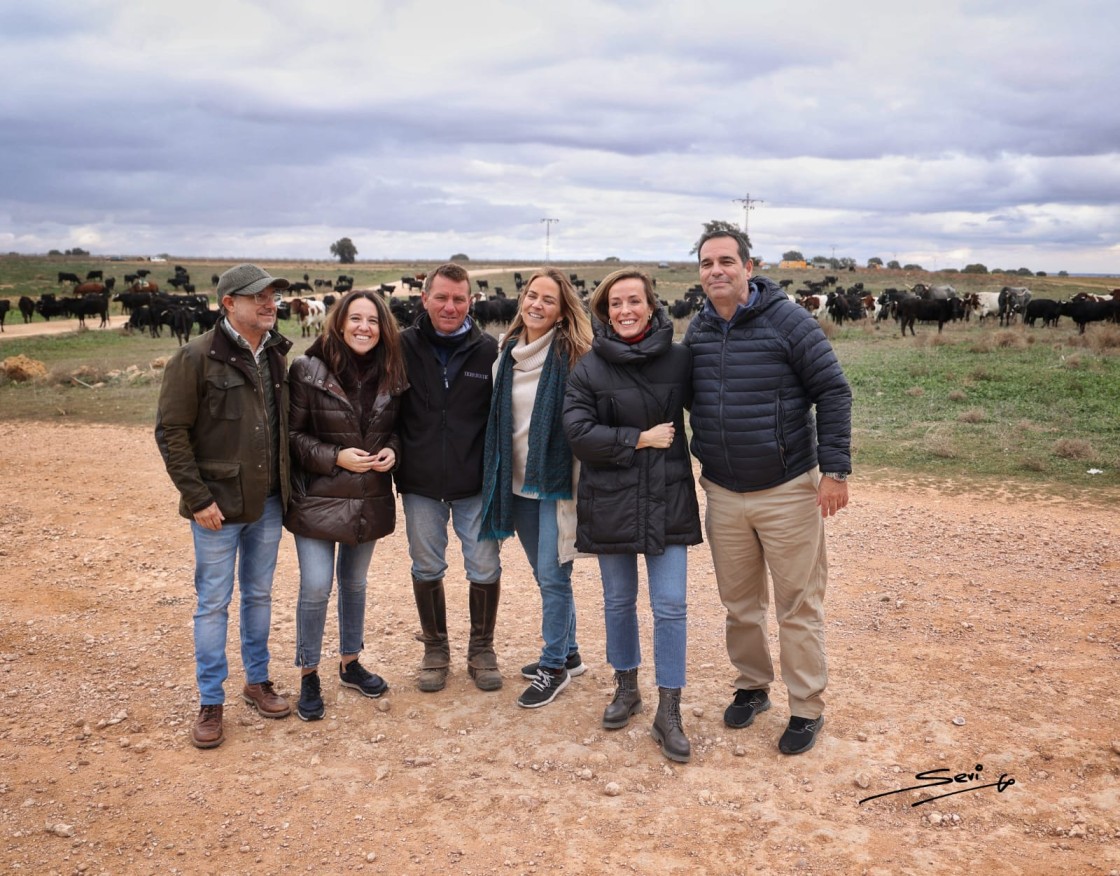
pixel 222 429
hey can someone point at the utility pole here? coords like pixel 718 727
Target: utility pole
pixel 548 238
pixel 748 204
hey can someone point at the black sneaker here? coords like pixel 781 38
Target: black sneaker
pixel 573 664
pixel 545 687
pixel 800 735
pixel 310 707
pixel 747 704
pixel 354 675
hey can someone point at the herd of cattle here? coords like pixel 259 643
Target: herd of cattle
pixel 149 310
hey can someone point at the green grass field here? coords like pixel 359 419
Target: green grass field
pixel 1030 406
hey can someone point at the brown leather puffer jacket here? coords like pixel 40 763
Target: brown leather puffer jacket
pixel 329 502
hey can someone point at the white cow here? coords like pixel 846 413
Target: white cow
pixel 310 313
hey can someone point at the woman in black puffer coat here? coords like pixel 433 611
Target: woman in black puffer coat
pixel 624 418
pixel 345 394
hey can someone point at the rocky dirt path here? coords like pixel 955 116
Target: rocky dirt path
pixel 966 627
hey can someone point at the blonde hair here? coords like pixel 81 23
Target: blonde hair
pixel 573 330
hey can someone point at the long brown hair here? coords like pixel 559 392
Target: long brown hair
pixel 573 331
pixel 387 354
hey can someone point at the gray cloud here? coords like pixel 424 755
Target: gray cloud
pixel 973 131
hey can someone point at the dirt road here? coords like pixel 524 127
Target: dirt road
pixel 967 628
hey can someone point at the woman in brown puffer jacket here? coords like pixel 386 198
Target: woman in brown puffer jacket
pixel 345 393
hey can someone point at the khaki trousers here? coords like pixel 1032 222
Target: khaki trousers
pixel 780 529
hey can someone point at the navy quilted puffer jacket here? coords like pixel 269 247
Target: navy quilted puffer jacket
pixel 755 384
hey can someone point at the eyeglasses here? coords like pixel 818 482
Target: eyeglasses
pixel 265 297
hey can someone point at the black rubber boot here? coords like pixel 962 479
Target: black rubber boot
pixel 432 607
pixel 482 662
pixel 667 729
pixel 627 700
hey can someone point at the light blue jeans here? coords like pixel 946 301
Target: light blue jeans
pixel 534 521
pixel 317 568
pixel 668 577
pixel 250 549
pixel 425 522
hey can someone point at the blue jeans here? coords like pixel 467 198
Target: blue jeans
pixel 668 576
pixel 251 549
pixel 316 570
pixel 425 523
pixel 534 521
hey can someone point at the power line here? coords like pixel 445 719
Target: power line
pixel 548 237
pixel 748 204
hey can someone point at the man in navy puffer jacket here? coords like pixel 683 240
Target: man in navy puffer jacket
pixel 761 367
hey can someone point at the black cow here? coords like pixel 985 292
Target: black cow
pixel 495 310
pixel 182 321
pixel 842 305
pixel 94 275
pixel 129 301
pixel 1084 311
pixel 26 308
pixel 1045 309
pixel 1012 300
pixel 406 311
pixel 5 306
pixel 299 288
pixel 208 318
pixel 93 304
pixel 940 311
pixel 144 319
pixel 66 277
pixel 49 306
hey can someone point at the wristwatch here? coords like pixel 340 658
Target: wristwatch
pixel 835 475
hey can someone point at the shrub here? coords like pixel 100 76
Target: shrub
pixel 1103 337
pixel 1072 448
pixel 958 395
pixel 1009 340
pixel 940 445
pixel 19 369
pixel 972 415
pixel 916 391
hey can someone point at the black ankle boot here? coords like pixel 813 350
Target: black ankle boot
pixel 667 729
pixel 627 700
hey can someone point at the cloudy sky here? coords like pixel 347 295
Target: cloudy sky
pixel 937 133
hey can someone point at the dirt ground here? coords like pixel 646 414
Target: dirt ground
pixel 966 627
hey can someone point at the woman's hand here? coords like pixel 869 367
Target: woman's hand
pixel 384 460
pixel 660 436
pixel 355 459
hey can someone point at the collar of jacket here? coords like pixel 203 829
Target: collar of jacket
pixel 610 347
pixel 767 290
pixel 225 349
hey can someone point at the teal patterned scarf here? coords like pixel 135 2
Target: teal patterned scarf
pixel 548 467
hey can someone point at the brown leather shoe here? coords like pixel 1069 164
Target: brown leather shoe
pixel 207 729
pixel 266 701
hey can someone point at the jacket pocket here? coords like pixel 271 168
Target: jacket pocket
pixel 224 394
pixel 223 479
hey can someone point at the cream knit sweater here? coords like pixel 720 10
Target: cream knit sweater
pixel 528 362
